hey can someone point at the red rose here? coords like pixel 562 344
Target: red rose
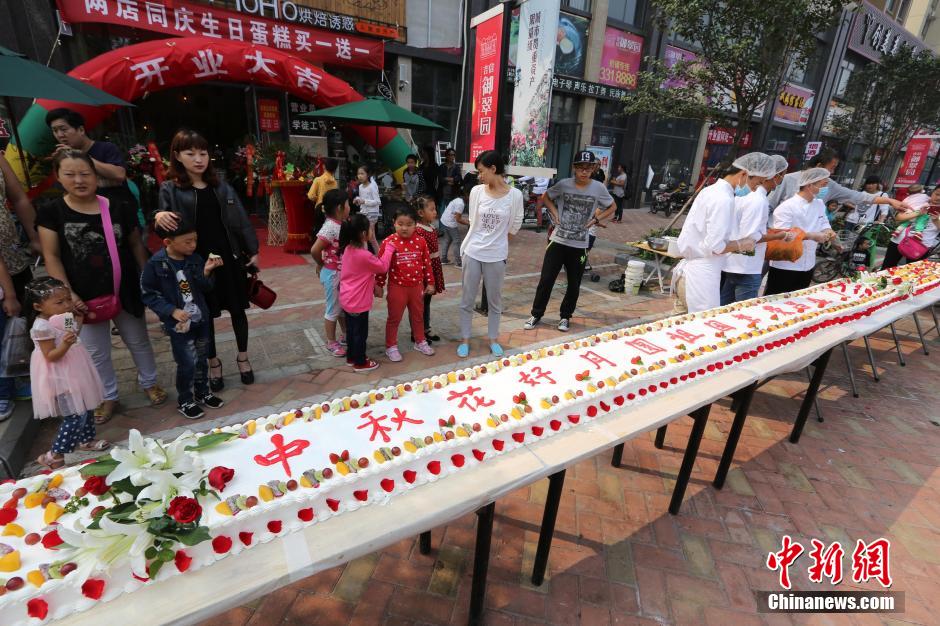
pixel 97 486
pixel 52 540
pixel 38 608
pixel 184 510
pixel 182 561
pixel 219 476
pixel 93 588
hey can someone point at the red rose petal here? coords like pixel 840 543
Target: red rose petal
pixel 619 400
pixel 7 516
pixel 519 437
pixel 410 476
pixel 592 411
pixel 434 467
pixel 574 419
pixel 274 526
pixel 93 588
pixel 538 430
pixel 38 608
pixel 604 406
pixel 555 424
pixel 388 484
pixel 305 515
pixel 457 460
pixel 245 538
pixel 51 540
pixel 221 544
pixel 479 454
pixel 182 561
pixel 140 578
pixel 498 444
pixel 361 494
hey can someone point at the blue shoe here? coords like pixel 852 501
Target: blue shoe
pixel 6 409
pixel 496 349
pixel 24 390
pixel 463 350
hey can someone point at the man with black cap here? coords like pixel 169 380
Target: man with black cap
pixel 575 205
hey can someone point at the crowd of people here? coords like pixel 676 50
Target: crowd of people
pixel 100 277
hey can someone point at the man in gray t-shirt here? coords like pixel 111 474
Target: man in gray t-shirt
pixel 575 204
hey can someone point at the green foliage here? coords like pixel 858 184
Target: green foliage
pixel 889 101
pixel 745 49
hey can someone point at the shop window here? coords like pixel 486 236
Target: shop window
pixel 565 108
pixel 845 74
pixel 577 5
pixel 672 151
pixel 434 94
pixel 622 11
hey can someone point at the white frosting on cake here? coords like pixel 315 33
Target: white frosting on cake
pixel 670 353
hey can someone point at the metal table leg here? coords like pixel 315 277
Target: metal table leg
pixel 897 345
pixel 871 360
pixel 424 542
pixel 688 460
pixel 936 322
pixel 848 367
pixel 617 459
pixel 743 400
pixel 660 437
pixel 809 378
pixel 811 391
pixel 555 484
pixel 920 333
pixel 481 561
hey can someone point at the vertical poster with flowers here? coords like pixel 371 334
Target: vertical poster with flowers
pixel 535 60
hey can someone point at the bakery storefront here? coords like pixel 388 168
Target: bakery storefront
pixel 255 67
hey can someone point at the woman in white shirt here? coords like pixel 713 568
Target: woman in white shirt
pixel 922 222
pixel 808 213
pixel 496 213
pixel 369 201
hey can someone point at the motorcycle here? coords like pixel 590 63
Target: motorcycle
pixel 669 201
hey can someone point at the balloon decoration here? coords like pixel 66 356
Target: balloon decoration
pixel 132 72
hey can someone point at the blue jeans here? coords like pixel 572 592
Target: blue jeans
pixel 192 364
pixel 7 385
pixel 738 287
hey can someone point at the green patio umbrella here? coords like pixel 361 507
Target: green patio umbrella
pixel 374 111
pixel 23 78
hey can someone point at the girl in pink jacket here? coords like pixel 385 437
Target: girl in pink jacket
pixel 357 286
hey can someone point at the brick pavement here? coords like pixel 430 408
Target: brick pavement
pixel 618 557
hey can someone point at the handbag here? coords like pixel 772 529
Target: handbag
pixel 260 294
pixel 912 248
pixel 106 308
pixel 17 348
pixel 779 250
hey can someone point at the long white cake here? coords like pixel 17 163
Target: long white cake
pixel 139 515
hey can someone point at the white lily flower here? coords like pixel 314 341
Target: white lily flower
pixel 111 543
pixel 161 484
pixel 140 454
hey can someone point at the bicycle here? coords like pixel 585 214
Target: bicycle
pixel 834 264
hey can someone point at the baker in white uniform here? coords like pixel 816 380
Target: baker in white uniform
pixel 741 277
pixel 706 240
pixel 805 211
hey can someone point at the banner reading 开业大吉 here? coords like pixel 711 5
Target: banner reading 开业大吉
pixel 535 59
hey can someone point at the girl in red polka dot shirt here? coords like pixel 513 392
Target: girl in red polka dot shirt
pixel 409 278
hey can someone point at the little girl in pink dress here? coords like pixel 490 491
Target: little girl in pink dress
pixel 64 380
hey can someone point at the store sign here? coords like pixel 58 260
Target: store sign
pixel 721 136
pixel 673 55
pixel 303 126
pixel 874 33
pixel 918 149
pixel 587 88
pixel 620 59
pixel 183 19
pixel 793 105
pixel 269 115
pixel 812 149
pixel 539 33
pixel 571 44
pixel 486 72
pixel 604 154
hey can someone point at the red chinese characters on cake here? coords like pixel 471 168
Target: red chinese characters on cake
pixel 776 309
pixel 719 326
pixel 645 346
pixel 282 452
pixel 595 359
pixel 536 375
pixel 683 335
pixel 467 399
pixel 379 429
pixel 799 306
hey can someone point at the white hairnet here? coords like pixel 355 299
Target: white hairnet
pixel 756 164
pixel 813 175
pixel 781 161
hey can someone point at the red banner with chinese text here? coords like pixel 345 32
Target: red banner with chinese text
pixel 486 78
pixel 186 20
pixel 915 158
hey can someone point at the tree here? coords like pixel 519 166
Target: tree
pixel 745 49
pixel 888 102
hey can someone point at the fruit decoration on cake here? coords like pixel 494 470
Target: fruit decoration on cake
pixel 139 515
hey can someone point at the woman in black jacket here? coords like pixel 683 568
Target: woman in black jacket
pixel 195 192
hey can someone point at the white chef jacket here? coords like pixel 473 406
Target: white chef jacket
pixel 790 186
pixel 706 232
pixel 750 217
pixel 808 216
